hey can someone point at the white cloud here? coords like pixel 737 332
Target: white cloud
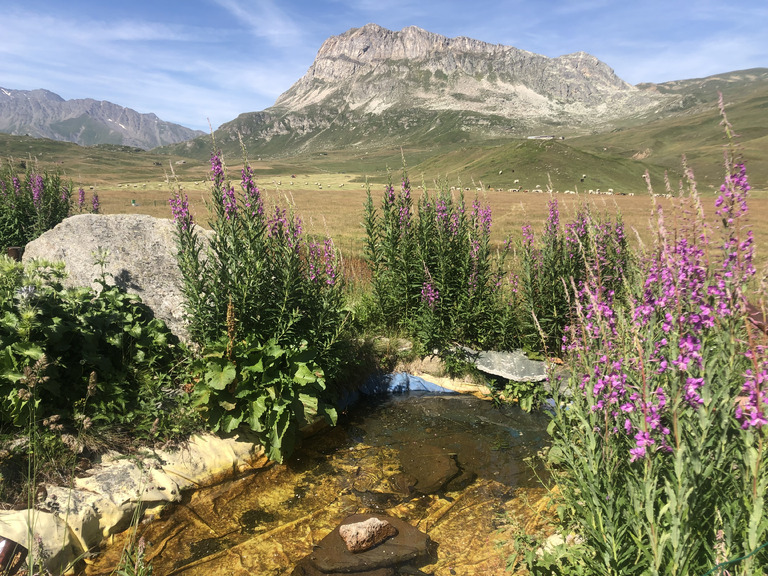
pixel 265 20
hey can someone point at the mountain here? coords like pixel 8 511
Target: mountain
pixel 43 114
pixel 371 85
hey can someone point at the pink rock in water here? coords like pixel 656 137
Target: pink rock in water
pixel 364 535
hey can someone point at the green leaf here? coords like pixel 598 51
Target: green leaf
pixel 219 376
pixel 230 422
pixel 330 413
pixel 257 408
pixel 304 375
pixel 309 402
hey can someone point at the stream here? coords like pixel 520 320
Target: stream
pixel 452 465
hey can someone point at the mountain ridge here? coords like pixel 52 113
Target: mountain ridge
pixel 370 84
pixel 44 114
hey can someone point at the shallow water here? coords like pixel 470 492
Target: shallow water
pixel 452 465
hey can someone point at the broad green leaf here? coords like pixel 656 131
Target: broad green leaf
pixel 219 377
pixel 304 375
pixel 257 408
pixel 230 422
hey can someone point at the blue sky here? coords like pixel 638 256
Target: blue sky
pixel 198 61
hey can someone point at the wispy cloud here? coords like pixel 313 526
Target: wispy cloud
pixel 264 19
pixel 195 59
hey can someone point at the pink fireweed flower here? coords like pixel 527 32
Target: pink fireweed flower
pixel 251 193
pixel 752 410
pixel 277 223
pixel 180 211
pixel 453 227
pixel 642 441
pixel 217 170
pixel 404 218
pixel 442 214
pixel 553 220
pixel 405 189
pixel 37 185
pixel 229 201
pixel 95 203
pixel 429 295
pixel 528 236
pixel 481 217
pixel 389 195
pixel 80 199
pixel 331 262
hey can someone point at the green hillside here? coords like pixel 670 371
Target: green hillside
pixel 436 147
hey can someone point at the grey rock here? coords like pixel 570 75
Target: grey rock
pixel 513 365
pixel 141 258
pixel 331 555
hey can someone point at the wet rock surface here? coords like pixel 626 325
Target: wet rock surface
pixel 365 534
pixel 268 521
pixel 332 556
pixel 515 365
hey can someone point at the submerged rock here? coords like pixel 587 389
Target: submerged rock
pixel 428 467
pixel 332 556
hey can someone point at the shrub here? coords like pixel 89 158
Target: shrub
pixel 587 246
pixel 433 272
pixel 659 450
pixel 258 284
pixel 33 202
pixel 79 356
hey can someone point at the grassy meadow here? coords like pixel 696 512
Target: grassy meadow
pixel 332 204
pixel 328 188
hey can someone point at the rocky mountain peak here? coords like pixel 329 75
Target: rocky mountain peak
pixel 371 82
pixel 374 69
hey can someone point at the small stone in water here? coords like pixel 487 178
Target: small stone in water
pixel 362 536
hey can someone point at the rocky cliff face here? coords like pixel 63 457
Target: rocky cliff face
pixel 43 114
pixel 377 68
pixel 380 82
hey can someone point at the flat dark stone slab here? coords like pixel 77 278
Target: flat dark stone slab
pixel 431 467
pixel 331 556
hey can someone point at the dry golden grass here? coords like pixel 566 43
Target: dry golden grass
pixel 332 204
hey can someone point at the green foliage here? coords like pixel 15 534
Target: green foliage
pixel 80 355
pixel 30 203
pixel 272 390
pixel 659 445
pixel 563 259
pixel 133 561
pixel 433 273
pixel 271 291
pixel 529 395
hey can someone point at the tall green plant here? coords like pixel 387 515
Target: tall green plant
pixel 586 246
pixel 660 446
pixel 257 284
pixel 32 202
pixel 434 273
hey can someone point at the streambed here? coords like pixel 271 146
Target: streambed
pixel 452 465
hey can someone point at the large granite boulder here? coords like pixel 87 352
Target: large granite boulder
pixel 141 258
